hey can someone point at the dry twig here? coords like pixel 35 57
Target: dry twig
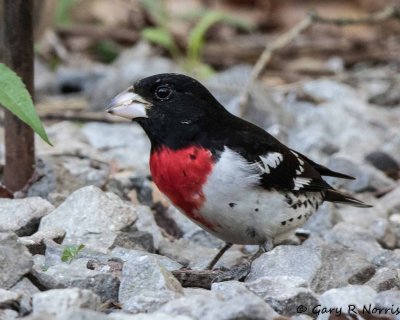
pixel 196 278
pixel 80 116
pixel 389 12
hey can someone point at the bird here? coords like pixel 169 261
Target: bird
pixel 226 174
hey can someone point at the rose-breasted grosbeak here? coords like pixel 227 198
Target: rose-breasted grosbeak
pixel 229 176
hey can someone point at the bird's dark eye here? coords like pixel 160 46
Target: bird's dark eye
pixel 163 92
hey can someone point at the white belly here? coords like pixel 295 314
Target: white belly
pixel 242 212
pixel 252 218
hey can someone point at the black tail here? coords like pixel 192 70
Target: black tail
pixel 339 197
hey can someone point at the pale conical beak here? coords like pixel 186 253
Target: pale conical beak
pixel 128 105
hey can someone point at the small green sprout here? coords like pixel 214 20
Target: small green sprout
pixel 71 252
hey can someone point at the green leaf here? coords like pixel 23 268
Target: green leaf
pixel 197 35
pixel 67 254
pixel 161 37
pixel 71 252
pixel 80 248
pixel 158 36
pixel 15 97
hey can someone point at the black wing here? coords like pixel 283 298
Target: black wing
pixel 290 172
pixel 281 167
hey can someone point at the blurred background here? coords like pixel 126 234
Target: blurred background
pixel 332 92
pixel 80 42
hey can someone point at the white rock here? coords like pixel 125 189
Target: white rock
pixel 313 131
pixel 326 89
pixel 225 301
pixel 58 300
pixel 15 260
pixel 146 285
pixel 145 316
pixel 67 139
pixel 197 256
pixel 26 289
pixel 85 171
pixel 125 143
pixel 36 242
pixel 385 279
pixel 356 238
pixel 85 314
pixel 102 282
pixel 395 218
pixel 9 297
pixel 389 299
pixel 322 221
pixel 283 293
pixel 91 217
pixel 147 223
pixel 296 261
pixel 131 254
pixel 8 314
pixel 391 201
pixel 339 267
pixel 367 177
pixel 22 215
pixel 345 300
pixel 118 135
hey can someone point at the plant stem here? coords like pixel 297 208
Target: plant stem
pixel 18 55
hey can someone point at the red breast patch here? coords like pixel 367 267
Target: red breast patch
pixel 180 175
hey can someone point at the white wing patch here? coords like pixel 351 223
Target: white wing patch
pixel 271 160
pixel 300 182
pixel 300 170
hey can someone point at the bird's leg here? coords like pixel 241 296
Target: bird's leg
pixel 259 252
pixel 241 271
pixel 265 247
pixel 219 255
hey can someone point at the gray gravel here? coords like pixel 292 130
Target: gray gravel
pixel 91 217
pixel 56 301
pixel 96 191
pixel 15 260
pixel 153 285
pixel 22 216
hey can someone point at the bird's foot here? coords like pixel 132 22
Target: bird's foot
pixel 265 247
pixel 239 272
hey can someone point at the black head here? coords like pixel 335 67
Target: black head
pixel 171 108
